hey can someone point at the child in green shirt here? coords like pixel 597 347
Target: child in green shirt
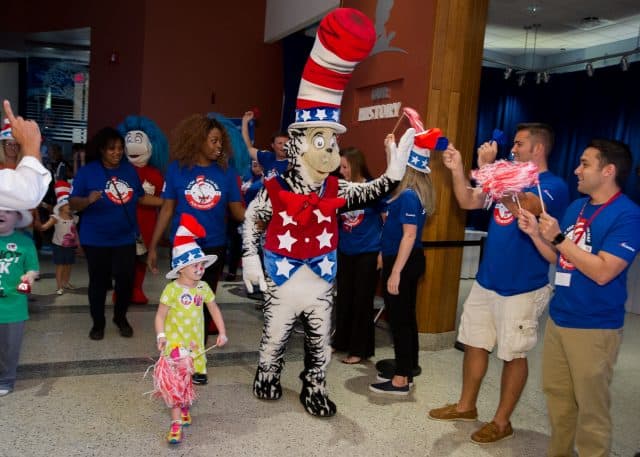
pixel 18 263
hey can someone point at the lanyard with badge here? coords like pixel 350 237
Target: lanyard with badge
pixel 562 278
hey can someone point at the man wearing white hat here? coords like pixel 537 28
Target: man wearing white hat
pixel 24 187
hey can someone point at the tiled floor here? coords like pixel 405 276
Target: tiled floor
pixel 78 397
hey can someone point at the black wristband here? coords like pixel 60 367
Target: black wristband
pixel 558 239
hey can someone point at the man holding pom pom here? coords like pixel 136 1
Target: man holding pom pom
pixel 509 294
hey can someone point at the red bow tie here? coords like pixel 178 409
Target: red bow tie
pixel 301 207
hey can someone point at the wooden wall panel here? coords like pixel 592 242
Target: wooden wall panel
pixel 452 106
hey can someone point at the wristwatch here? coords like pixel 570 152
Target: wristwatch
pixel 558 239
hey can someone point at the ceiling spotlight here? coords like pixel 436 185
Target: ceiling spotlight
pixel 521 79
pixel 624 63
pixel 507 72
pixel 589 69
pixel 546 77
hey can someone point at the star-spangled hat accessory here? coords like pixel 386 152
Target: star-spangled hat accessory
pixel 185 249
pixel 62 189
pixel 423 143
pixel 344 38
pixel 5 133
pixel 420 155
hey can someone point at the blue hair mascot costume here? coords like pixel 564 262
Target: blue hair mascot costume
pixel 147 149
pixel 300 207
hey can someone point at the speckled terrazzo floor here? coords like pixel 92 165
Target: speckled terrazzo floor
pixel 77 397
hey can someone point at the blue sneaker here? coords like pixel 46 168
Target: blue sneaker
pixel 387 387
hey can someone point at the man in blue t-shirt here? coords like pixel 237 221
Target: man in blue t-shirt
pixel 511 289
pixel 593 247
pixel 273 162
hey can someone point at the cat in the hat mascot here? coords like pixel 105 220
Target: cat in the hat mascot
pixel 300 206
pixel 147 149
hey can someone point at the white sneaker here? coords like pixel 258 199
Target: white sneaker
pixel 69 286
pixel 4 392
pixel 60 291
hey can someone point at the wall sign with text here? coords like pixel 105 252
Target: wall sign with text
pixel 388 110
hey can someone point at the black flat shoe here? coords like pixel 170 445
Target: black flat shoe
pixel 96 333
pixel 199 379
pixel 124 327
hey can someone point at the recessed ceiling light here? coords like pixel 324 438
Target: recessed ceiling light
pixel 533 9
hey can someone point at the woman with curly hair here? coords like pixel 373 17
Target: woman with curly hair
pixel 199 182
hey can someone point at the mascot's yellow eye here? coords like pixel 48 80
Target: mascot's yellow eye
pixel 318 142
pixel 334 142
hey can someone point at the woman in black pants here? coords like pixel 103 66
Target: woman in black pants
pixel 404 264
pixel 357 278
pixel 107 190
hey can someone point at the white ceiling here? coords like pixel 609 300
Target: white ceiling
pixel 565 34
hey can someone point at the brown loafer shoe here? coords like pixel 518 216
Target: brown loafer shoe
pixel 490 433
pixel 449 413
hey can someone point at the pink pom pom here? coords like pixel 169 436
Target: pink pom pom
pixel 503 177
pixel 414 118
pixel 172 381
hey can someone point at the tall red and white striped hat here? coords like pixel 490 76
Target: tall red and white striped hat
pixel 344 38
pixel 62 189
pixel 185 249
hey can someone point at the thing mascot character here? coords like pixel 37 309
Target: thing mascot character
pixel 300 207
pixel 146 147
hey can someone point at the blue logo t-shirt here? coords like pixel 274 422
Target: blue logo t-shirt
pixel 615 230
pixel 405 209
pixel 510 263
pixel 203 192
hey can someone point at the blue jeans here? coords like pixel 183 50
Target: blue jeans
pixel 10 342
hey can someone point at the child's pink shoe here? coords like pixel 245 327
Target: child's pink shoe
pixel 175 433
pixel 186 417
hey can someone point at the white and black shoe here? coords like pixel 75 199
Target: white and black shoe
pixel 387 387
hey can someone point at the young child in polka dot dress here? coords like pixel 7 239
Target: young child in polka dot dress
pixel 179 322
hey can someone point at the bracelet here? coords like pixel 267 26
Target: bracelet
pixel 161 335
pixel 558 239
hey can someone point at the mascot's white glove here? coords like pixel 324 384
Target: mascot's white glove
pixel 252 273
pixel 149 188
pixel 398 155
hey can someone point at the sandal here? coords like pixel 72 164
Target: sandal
pixel 352 360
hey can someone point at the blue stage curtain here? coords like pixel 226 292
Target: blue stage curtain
pixel 578 107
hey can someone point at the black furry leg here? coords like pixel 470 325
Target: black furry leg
pixel 313 395
pixel 266 384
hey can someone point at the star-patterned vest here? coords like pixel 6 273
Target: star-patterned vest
pixel 291 232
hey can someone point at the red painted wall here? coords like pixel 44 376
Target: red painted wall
pixel 195 49
pixel 172 57
pixel 405 74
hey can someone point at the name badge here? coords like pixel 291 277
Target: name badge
pixel 563 279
